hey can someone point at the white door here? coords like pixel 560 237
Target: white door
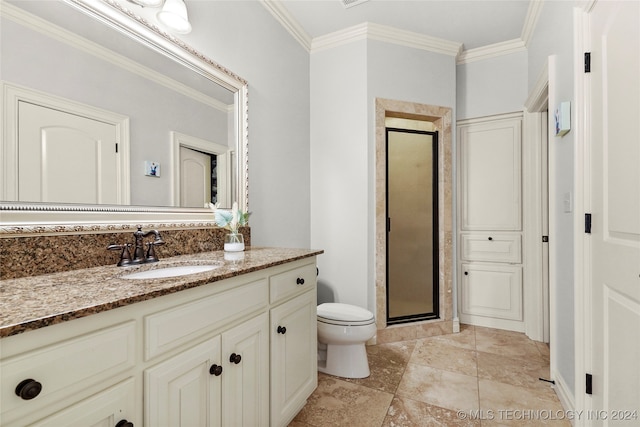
pixel 195 179
pixel 293 356
pixel 185 391
pixel 615 209
pixel 66 158
pixel 245 354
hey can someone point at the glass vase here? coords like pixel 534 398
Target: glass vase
pixel 234 242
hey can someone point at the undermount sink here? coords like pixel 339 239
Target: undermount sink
pixel 164 272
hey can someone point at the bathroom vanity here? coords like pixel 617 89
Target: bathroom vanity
pixel 233 346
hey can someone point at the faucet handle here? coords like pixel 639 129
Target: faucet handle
pixel 125 255
pixel 151 252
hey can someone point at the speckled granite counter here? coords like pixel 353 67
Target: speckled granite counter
pixel 38 301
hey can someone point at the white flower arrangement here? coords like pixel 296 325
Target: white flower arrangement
pixel 230 220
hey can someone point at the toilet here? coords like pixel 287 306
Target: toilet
pixel 343 330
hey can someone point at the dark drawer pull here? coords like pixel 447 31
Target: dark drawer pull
pixel 124 423
pixel 282 330
pixel 28 389
pixel 300 281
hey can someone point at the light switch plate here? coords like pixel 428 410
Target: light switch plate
pixel 567 201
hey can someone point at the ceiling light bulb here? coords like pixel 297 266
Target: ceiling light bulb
pixel 174 16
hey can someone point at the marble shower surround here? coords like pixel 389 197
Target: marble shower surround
pixel 33 255
pixel 441 118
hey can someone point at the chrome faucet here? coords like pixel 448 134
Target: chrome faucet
pixel 139 255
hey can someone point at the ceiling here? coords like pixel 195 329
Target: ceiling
pixel 473 23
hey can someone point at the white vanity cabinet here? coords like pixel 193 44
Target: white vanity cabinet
pixel 294 360
pixel 222 381
pixel 206 356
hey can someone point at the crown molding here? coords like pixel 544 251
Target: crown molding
pixel 397 36
pixel 491 51
pixel 283 16
pixel 531 20
pixel 372 31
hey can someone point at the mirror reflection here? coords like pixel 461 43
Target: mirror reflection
pixel 95 117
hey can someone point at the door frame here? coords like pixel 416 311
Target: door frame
pixel 223 165
pixel 12 94
pixel 537 288
pixel 582 288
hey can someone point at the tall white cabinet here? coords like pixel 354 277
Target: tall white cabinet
pixel 490 222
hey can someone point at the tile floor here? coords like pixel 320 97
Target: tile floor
pixel 479 377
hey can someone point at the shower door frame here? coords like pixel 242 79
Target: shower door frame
pixel 435 313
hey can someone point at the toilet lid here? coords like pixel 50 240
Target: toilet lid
pixel 344 314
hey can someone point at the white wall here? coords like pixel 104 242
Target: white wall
pixel 345 81
pixel 245 37
pixel 554 36
pixel 492 86
pixel 340 171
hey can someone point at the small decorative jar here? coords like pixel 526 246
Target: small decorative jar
pixel 234 242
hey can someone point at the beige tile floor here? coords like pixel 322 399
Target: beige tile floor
pixel 479 377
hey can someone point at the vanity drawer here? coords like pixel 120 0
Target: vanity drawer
pixel 491 247
pixel 292 282
pixel 65 369
pixel 171 328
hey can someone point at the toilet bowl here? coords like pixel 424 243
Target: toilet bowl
pixel 343 330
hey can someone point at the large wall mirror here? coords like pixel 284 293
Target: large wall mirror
pixel 166 126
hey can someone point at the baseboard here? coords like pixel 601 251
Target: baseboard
pixel 567 399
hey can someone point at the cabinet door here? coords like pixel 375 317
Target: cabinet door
pixel 490 175
pixel 293 356
pixel 182 391
pixel 245 381
pixel 492 290
pixel 104 409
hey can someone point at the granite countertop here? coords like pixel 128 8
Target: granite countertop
pixel 34 302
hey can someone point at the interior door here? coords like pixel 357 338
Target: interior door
pixel 66 158
pixel 615 210
pixel 195 179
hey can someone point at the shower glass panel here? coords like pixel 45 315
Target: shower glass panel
pixel 412 225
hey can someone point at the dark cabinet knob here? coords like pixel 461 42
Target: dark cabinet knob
pixel 124 423
pixel 235 358
pixel 28 389
pixel 466 273
pixel 300 281
pixel 282 330
pixel 215 370
pixel 490 238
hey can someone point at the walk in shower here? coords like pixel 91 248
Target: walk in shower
pixel 412 221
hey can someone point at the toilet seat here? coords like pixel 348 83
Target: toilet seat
pixel 343 315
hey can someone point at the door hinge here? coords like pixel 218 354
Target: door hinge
pixel 545 239
pixel 587 62
pixel 588 384
pixel 116 147
pixel 587 223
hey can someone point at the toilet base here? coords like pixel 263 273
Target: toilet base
pixel 343 360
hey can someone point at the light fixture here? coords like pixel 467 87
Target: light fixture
pixel 174 16
pixel 147 3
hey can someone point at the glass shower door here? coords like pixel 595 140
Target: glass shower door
pixel 412 225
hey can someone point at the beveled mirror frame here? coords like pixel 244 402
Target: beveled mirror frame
pixel 20 218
